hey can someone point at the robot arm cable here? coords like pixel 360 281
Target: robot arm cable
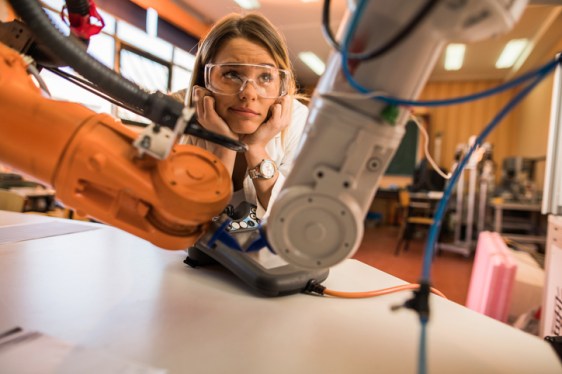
pixel 383 96
pixel 88 86
pixel 426 148
pixel 316 288
pixel 399 37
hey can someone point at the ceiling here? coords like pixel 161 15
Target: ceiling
pixel 300 23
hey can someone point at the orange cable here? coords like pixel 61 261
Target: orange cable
pixel 384 291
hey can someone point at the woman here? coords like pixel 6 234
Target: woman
pixel 243 87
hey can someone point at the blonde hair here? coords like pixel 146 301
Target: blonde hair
pixel 253 27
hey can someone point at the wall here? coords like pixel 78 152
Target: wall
pixel 457 123
pixel 533 118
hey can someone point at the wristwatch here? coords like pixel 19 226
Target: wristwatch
pixel 264 170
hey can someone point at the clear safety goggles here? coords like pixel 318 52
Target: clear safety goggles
pixel 231 79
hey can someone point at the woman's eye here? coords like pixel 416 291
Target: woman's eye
pixel 266 78
pixel 232 75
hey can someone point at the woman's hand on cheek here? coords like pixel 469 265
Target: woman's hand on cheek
pixel 207 116
pixel 280 119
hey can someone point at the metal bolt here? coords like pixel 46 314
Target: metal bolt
pixel 373 164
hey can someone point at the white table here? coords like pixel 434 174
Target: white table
pixel 108 290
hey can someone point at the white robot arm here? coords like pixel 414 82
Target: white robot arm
pixel 317 220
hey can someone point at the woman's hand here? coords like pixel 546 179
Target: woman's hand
pixel 207 115
pixel 280 118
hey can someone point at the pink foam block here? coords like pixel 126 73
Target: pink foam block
pixel 493 275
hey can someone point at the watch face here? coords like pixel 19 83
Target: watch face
pixel 267 169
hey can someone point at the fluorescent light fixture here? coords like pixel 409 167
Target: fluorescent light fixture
pixel 248 4
pixel 511 53
pixel 313 62
pixel 454 56
pixel 151 22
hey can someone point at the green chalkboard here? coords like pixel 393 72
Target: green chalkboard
pixel 404 161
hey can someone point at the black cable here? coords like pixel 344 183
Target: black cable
pixel 326 26
pixel 393 42
pixel 314 287
pixel 199 131
pixel 90 87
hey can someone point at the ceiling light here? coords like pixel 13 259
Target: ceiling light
pixel 313 62
pixel 248 4
pixel 511 53
pixel 454 56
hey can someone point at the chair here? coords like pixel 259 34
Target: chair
pixel 414 214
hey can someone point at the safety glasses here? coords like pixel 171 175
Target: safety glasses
pixel 231 79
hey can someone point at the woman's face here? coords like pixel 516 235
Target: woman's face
pixel 246 111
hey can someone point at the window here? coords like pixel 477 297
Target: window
pixel 182 69
pixel 145 71
pixel 138 38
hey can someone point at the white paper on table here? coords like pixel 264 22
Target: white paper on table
pixel 30 352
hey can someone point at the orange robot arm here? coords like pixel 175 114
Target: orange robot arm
pixel 90 160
